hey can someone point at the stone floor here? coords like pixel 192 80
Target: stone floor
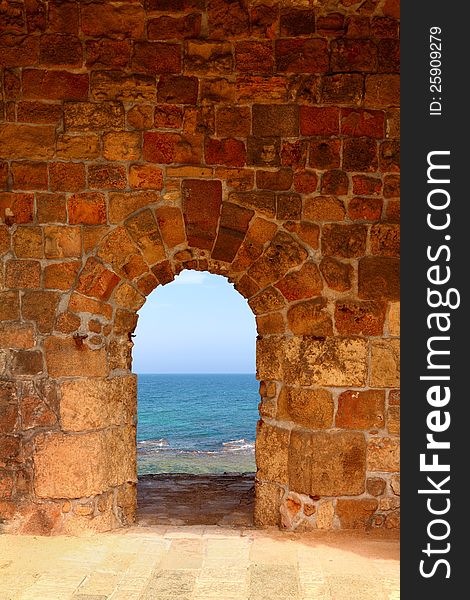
pixel 225 500
pixel 200 563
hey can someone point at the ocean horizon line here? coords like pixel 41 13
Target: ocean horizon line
pixel 200 373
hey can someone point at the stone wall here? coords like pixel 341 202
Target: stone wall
pixel 257 140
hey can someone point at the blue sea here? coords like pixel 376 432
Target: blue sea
pixel 197 423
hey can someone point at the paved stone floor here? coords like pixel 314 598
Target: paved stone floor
pixel 199 563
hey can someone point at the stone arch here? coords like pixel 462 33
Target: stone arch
pixel 147 244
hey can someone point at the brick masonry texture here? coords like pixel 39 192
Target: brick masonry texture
pixel 256 140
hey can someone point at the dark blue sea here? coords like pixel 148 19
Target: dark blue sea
pixel 197 423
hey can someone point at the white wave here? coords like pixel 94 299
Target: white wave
pixel 161 443
pixel 238 445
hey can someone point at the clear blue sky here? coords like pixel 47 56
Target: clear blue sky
pixel 196 324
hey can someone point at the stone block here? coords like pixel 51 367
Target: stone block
pixel 325 154
pixel 107 176
pixel 40 307
pixel 297 22
pixel 327 464
pixel 61 276
pixel 263 151
pixel 167 148
pixel 92 116
pixel 27 362
pixel 282 254
pixel 227 151
pixel 256 88
pixel 60 50
pixel 361 410
pixel 393 420
pixel 65 358
pixel 325 515
pixel 354 55
pixel 9 305
pixel 27 242
pixel 385 363
pixel 54 85
pixel 385 239
pixel 107 54
pixel 266 301
pixel 78 146
pixel 359 122
pixel 62 241
pixel 365 209
pixel 202 202
pixel 335 182
pixel 294 154
pixel 143 229
pixel 280 180
pixel 23 274
pixel 35 142
pixel 126 296
pixel 267 503
pixel 227 20
pixel 121 20
pixel 382 91
pixel 344 88
pixel 272 446
pixel 14 335
pixel 304 283
pixel 383 454
pixel 254 57
pixel 307 55
pixel 310 318
pixel 356 317
pixel 121 145
pixel 156 57
pixel 87 208
pixel 275 120
pixel 394 318
pixel 98 403
pixel 319 121
pixel 345 241
pixel 379 278
pixel 310 408
pixel 75 466
pixel 169 28
pixel 375 486
pixel 334 361
pixel 177 89
pixel 360 154
pixel 38 112
pixel 29 175
pixel 66 177
pixel 96 281
pixel 19 50
pixel 233 121
pixel 115 85
pixel 123 204
pixel 356 514
pixel 389 159
pixel 289 207
pixel 324 208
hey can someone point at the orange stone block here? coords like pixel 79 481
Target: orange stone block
pixel 145 177
pixel 88 208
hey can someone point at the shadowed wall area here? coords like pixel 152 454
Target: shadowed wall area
pixel 255 140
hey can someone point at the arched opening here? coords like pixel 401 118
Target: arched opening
pixel 194 356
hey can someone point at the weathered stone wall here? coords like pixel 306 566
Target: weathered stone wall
pixel 258 140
